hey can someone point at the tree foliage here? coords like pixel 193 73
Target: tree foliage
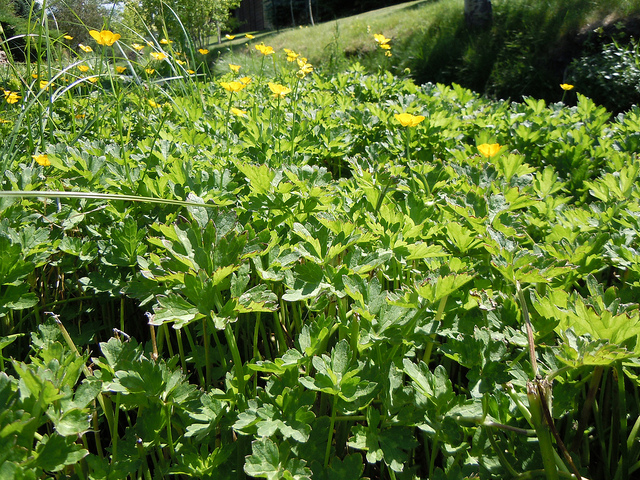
pixel 77 17
pixel 197 18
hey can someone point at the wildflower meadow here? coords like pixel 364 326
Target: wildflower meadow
pixel 284 272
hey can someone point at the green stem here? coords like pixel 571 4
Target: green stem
pixel 114 434
pixel 327 452
pixel 542 429
pixel 237 361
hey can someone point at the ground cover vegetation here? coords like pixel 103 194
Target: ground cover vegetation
pixel 528 49
pixel 307 274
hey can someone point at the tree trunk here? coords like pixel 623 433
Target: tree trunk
pixel 311 14
pixel 293 18
pixel 478 14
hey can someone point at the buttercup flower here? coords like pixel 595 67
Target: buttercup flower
pixel 203 51
pixel 158 55
pixel 279 91
pixel 246 80
pixel 42 159
pixel 68 37
pixel 34 75
pixel 566 86
pixel 153 104
pixel 249 36
pixel 408 120
pixel 238 112
pixel 164 41
pixel 93 79
pixel 489 149
pixel 234 68
pixel 291 55
pixel 120 69
pixel 191 72
pixel 180 62
pixel 305 68
pixel 44 85
pixel 85 48
pixel 137 46
pixel 230 37
pixel 232 86
pixel 11 97
pixel 263 49
pixel 381 39
pixel 150 71
pixel 83 68
pixel 105 37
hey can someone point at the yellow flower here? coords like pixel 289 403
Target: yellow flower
pixel 566 86
pixel 388 53
pixel 238 112
pixel 121 69
pixel 83 68
pixel 263 49
pixel 11 97
pixel 381 39
pixel 408 120
pixel 164 41
pixel 305 68
pixel 34 75
pixel 385 46
pixel 68 37
pixel 2 120
pixel 84 48
pixel 230 37
pixel 249 36
pixel 80 116
pixel 279 91
pixel 158 55
pixel 203 51
pixel 137 46
pixel 246 80
pixel 93 79
pixel 232 86
pixel 489 149
pixel 149 71
pixel 153 104
pixel 105 37
pixel 42 159
pixel 150 43
pixel 191 72
pixel 44 85
pixel 180 62
pixel 234 68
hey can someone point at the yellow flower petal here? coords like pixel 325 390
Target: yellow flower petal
pixel 238 112
pixel 232 86
pixel 203 51
pixel 105 37
pixel 42 159
pixel 408 120
pixel 278 90
pixel 566 86
pixel 158 55
pixel 489 149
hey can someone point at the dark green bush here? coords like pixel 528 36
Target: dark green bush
pixel 611 76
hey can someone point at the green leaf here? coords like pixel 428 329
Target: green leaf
pixel 55 452
pixel 273 463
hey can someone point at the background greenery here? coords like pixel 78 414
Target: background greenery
pixel 204 275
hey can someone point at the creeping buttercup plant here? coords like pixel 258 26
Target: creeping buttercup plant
pixel 325 286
